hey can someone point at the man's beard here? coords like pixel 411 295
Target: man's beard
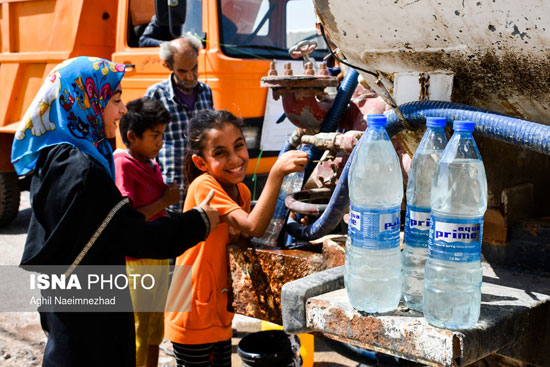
pixel 185 84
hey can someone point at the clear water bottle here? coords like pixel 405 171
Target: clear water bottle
pixel 452 287
pixel 417 220
pixel 373 261
pixel 291 183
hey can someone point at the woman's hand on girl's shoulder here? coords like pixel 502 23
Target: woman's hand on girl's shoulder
pixel 211 212
pixel 291 161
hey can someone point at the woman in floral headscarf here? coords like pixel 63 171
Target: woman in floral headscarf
pixel 64 139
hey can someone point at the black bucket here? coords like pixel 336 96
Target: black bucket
pixel 270 348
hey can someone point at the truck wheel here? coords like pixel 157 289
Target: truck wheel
pixel 9 197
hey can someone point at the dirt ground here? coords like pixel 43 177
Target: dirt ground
pixel 22 343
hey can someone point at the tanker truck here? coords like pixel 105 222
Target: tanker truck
pixel 483 61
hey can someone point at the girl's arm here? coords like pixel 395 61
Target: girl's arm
pixel 256 222
pixel 170 196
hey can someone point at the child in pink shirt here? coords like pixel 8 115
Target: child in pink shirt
pixel 138 177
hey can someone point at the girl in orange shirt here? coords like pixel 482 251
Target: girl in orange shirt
pixel 217 159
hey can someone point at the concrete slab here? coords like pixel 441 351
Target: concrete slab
pixel 513 322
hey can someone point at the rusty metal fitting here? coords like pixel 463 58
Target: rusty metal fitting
pixel 272 69
pixel 288 70
pixel 302 49
pixel 308 69
pixel 303 202
pixel 323 71
pixel 335 142
pixel 347 141
pixel 296 138
pixel 323 141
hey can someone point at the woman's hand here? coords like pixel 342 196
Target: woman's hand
pixel 211 212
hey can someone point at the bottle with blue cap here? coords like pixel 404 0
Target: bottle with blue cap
pixel 373 260
pixel 452 286
pixel 417 220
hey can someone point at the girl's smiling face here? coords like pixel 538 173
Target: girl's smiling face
pixel 224 155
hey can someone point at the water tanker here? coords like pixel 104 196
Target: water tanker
pixel 487 55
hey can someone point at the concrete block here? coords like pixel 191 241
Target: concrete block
pixel 294 296
pixel 513 321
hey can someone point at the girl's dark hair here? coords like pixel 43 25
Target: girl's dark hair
pixel 143 113
pixel 196 130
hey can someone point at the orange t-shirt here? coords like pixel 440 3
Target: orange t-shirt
pixel 209 321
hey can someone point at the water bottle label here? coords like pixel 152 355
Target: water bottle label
pixel 374 229
pixel 455 239
pixel 417 226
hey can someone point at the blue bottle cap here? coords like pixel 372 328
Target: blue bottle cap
pixel 436 122
pixel 463 126
pixel 376 120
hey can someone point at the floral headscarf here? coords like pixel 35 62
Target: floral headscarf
pixel 68 108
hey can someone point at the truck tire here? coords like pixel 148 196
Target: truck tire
pixel 9 197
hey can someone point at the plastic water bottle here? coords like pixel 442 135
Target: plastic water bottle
pixel 373 260
pixel 452 287
pixel 291 183
pixel 417 220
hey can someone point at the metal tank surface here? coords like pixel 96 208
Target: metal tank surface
pixel 498 51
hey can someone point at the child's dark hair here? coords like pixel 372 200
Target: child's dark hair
pixel 196 130
pixel 143 113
